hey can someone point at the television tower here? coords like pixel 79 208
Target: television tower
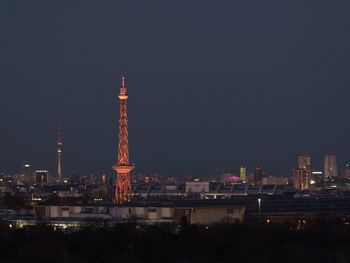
pixel 59 152
pixel 123 167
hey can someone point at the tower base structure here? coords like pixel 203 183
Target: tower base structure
pixel 123 183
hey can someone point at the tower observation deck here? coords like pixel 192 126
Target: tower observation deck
pixel 123 166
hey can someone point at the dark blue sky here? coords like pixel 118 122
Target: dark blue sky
pixel 212 84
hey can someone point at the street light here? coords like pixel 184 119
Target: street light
pixel 259 201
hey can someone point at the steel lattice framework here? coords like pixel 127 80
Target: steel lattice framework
pixel 123 167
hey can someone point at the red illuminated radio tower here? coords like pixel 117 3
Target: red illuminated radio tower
pixel 123 167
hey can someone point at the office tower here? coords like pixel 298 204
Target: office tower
pixel 317 179
pixel 26 173
pixel 303 161
pixel 243 174
pixel 258 174
pixel 302 175
pixel 41 177
pixel 330 165
pixel 347 170
pixel 123 166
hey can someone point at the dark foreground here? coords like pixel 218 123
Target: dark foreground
pixel 170 243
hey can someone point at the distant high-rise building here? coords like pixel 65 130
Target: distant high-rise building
pixel 302 175
pixel 347 170
pixel 317 180
pixel 330 165
pixel 301 179
pixel 250 178
pixel 243 174
pixel 303 161
pixel 26 173
pixel 41 177
pixel 258 174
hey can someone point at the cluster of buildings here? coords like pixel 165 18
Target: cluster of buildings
pixel 36 196
pixel 90 200
pixel 305 178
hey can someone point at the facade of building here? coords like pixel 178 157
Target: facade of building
pixel 204 211
pixel 303 161
pixel 302 175
pixel 149 214
pixel 346 173
pixel 258 174
pixel 41 177
pixel 301 179
pixel 317 180
pixel 197 187
pixel 275 180
pixel 330 165
pixel 243 174
pixel 27 173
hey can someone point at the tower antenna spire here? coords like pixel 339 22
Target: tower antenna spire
pixel 123 81
pixel 59 131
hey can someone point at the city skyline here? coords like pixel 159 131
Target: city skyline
pixel 174 131
pixel 240 86
pixel 57 171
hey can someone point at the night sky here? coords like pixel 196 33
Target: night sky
pixel 212 84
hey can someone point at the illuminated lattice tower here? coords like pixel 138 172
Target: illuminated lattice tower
pixel 123 167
